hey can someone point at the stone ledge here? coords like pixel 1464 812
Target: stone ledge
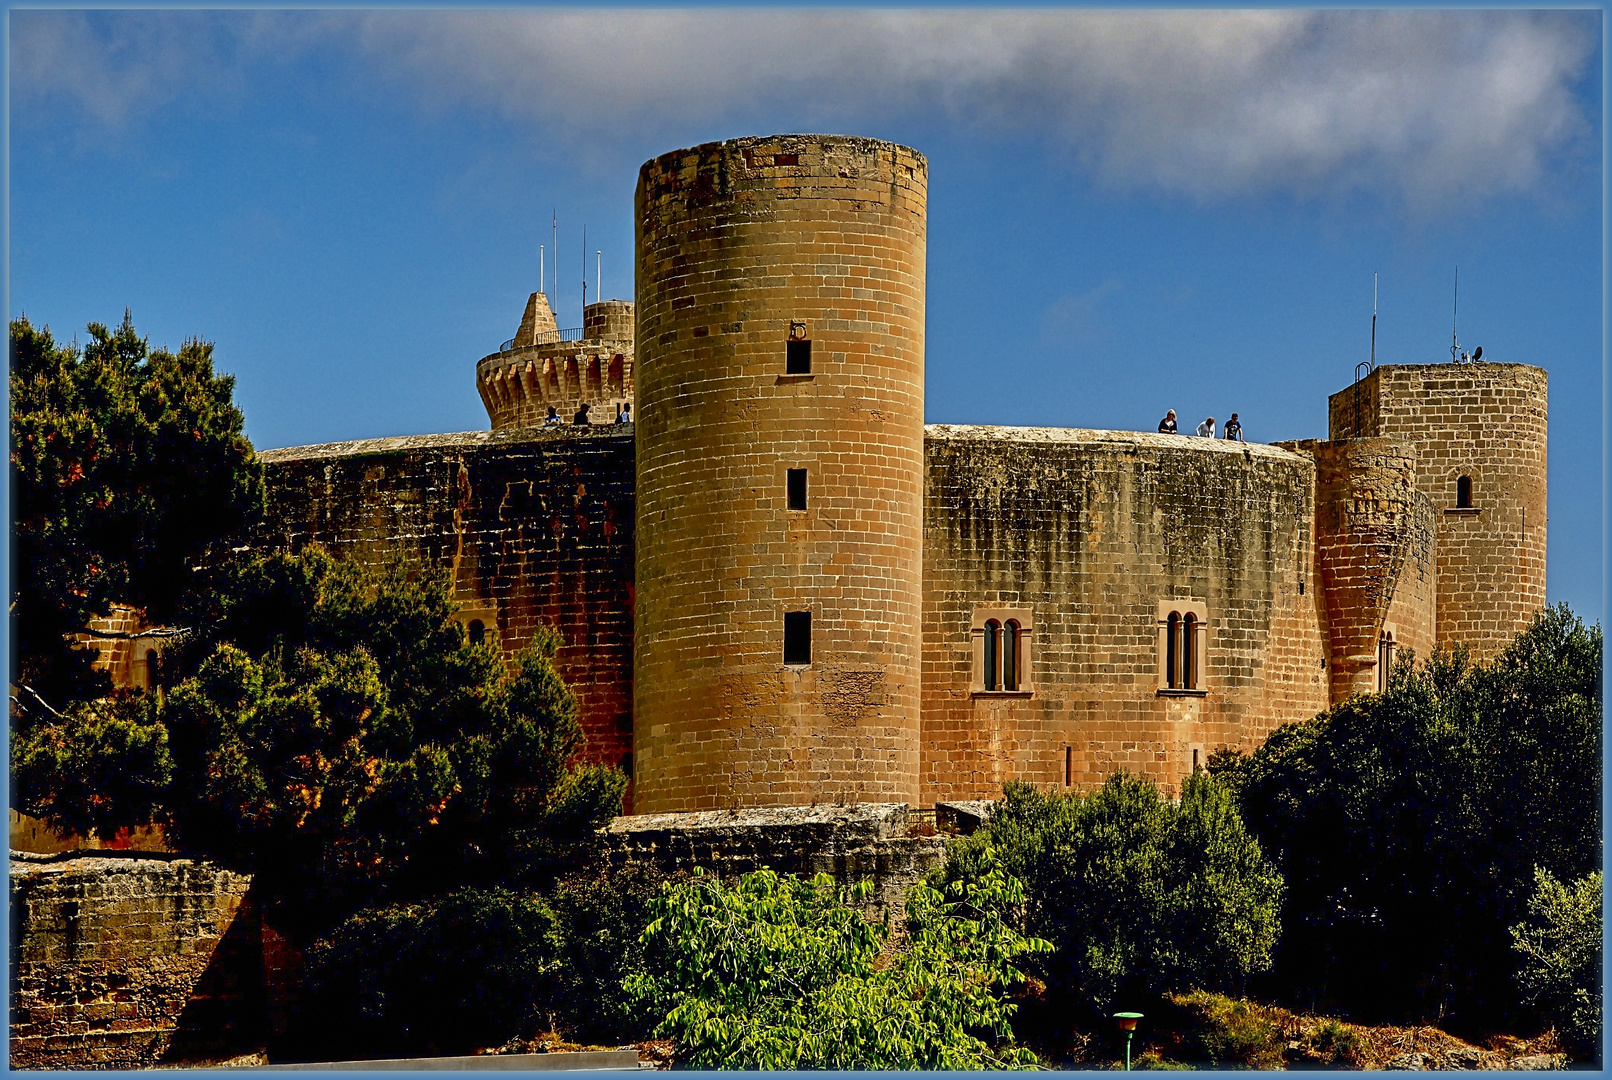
pixel 395 444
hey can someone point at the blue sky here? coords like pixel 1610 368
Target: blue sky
pixel 1129 211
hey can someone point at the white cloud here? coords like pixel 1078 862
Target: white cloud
pixel 1423 106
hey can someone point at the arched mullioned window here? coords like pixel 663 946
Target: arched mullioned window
pixel 1183 645
pixel 1001 638
pixel 1385 659
pixel 1463 492
pixel 993 641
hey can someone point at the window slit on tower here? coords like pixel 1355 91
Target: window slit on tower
pixel 798 351
pixel 797 489
pixel 797 637
pixel 1463 493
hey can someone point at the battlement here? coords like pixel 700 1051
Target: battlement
pixel 543 367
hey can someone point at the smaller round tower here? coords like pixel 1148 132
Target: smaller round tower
pixel 543 366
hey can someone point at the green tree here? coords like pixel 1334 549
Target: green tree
pixel 1408 824
pixel 128 468
pixel 779 972
pixel 330 729
pixel 1139 896
pixel 1559 944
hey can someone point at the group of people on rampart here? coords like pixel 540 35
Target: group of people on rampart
pixel 623 415
pixel 1206 430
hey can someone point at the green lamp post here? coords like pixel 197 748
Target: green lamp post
pixel 1127 1024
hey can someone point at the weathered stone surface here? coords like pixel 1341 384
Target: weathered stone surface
pixel 533 527
pixel 124 962
pixel 1538 1062
pixel 850 843
pixel 962 818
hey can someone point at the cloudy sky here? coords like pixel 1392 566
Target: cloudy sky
pixel 1129 211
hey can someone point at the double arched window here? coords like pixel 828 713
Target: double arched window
pixel 1385 658
pixel 1182 645
pixel 1002 651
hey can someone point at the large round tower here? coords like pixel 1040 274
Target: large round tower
pixel 780 440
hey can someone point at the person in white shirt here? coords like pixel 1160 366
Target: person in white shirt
pixel 1206 429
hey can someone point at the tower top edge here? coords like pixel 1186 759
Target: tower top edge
pixel 789 143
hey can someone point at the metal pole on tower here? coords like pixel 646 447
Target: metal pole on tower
pixel 541 263
pixel 584 275
pixel 598 276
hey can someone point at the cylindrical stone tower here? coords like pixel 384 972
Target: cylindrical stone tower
pixel 780 440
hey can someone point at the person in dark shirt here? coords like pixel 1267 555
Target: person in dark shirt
pixel 1167 425
pixel 582 415
pixel 1234 429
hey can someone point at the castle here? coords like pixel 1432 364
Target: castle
pixel 778 587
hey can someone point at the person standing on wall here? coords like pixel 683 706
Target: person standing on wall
pixel 582 415
pixel 552 418
pixel 1234 429
pixel 1206 430
pixel 1167 425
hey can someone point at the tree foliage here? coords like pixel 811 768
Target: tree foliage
pixel 330 729
pixel 128 467
pixel 1409 823
pixel 1139 895
pixel 779 972
pixel 1559 945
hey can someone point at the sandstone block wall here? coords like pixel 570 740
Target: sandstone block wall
pixel 740 246
pixel 1488 422
pixel 1375 555
pixel 533 527
pixel 850 843
pixel 1091 531
pixel 123 963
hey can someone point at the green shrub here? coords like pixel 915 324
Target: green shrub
pixel 782 973
pixel 1560 946
pixel 470 970
pixel 1138 895
pixel 602 918
pixel 1408 825
pixel 1230 1031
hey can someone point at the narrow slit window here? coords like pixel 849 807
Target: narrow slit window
pixel 797 637
pixel 1385 660
pixel 1068 765
pixel 151 669
pixel 1194 759
pixel 798 358
pixel 797 489
pixel 1463 493
pixel 1010 655
pixel 993 631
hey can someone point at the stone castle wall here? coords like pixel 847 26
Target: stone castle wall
pixel 1087 533
pixel 125 963
pixel 742 246
pixel 1375 548
pixel 1487 422
pixel 533 527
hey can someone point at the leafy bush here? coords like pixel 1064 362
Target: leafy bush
pixel 780 973
pixel 470 970
pixel 1138 895
pixel 1408 824
pixel 1560 947
pixel 128 467
pixel 1230 1031
pixel 329 729
pixel 602 918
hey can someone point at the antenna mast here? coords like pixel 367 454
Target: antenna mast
pixel 542 263
pixel 584 275
pixel 554 301
pixel 598 276
pixel 1455 306
pixel 1374 320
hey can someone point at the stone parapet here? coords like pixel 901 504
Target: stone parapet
pixel 849 843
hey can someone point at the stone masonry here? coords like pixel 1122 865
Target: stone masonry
pixel 127 962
